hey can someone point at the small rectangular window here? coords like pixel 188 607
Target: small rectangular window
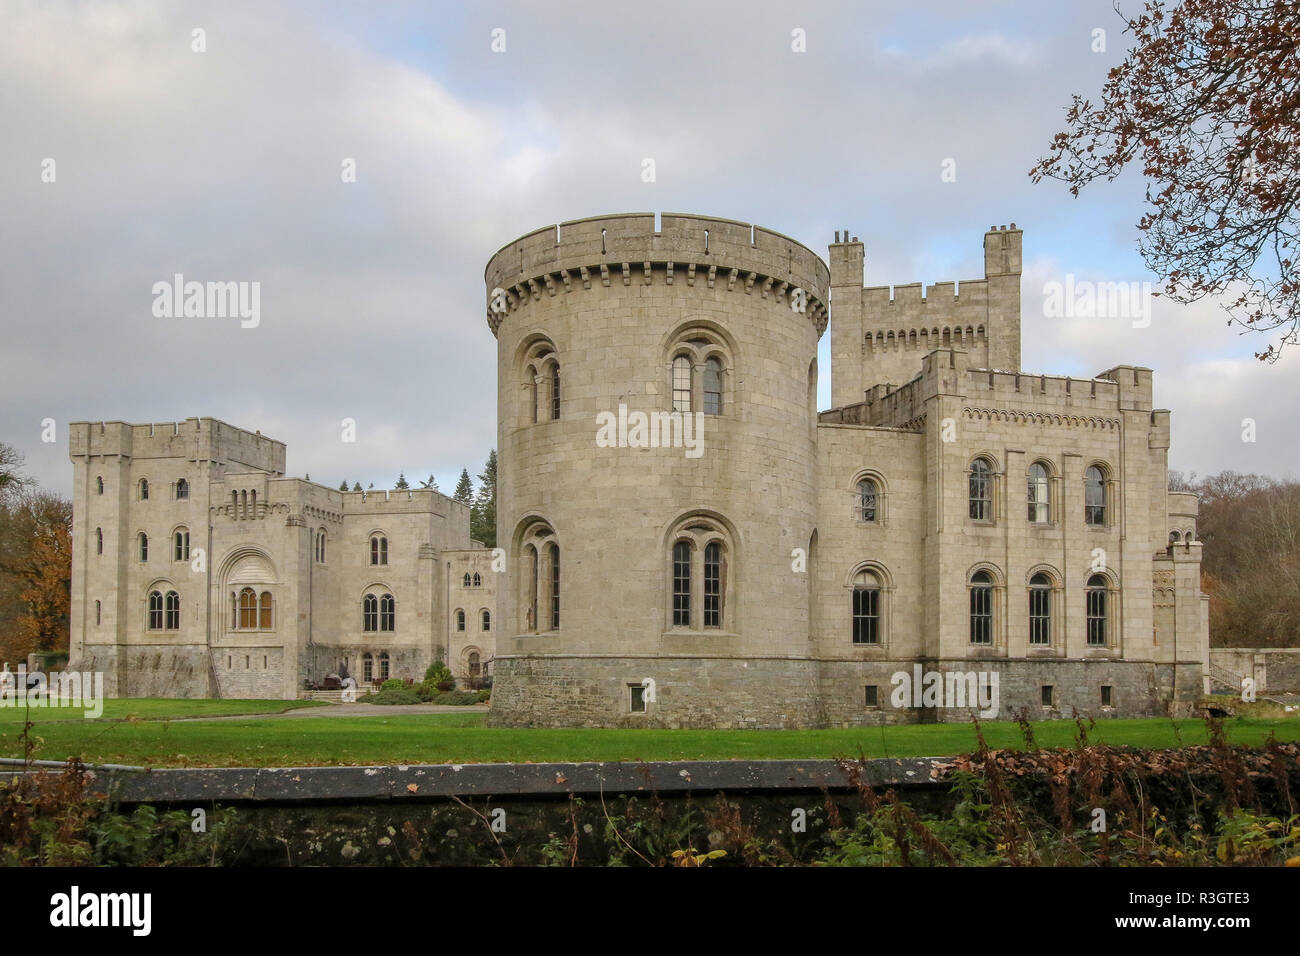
pixel 638 698
pixel 871 695
pixel 1106 695
pixel 1047 695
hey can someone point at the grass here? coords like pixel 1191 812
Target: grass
pixel 141 708
pixel 462 738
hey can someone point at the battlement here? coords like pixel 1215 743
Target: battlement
pixel 410 501
pixel 194 439
pixel 625 248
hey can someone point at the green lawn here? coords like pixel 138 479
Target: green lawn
pixel 152 708
pixel 462 738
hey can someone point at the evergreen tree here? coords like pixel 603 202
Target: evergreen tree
pixel 402 484
pixel 431 484
pixel 356 486
pixel 343 485
pixel 464 489
pixel 483 517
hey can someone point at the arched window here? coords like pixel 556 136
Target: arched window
pixel 713 563
pixel 1173 537
pixel 265 612
pixel 383 665
pixel 155 611
pixel 182 489
pixel 532 570
pixel 981 608
pixel 867 497
pixel 143 540
pixel 387 613
pixel 682 584
pixel 531 372
pixel 173 605
pixel 181 545
pixel 368 667
pixel 712 386
pixel 99 484
pixel 144 489
pixel 370 613
pixel 467 582
pixel 487 620
pixel 981 490
pixel 1039 494
pixel 99 540
pixel 1096 600
pixel 1094 496
pixel 555 391
pixel 247 609
pixel 99 613
pixel 1040 610
pixel 682 384
pixel 866 608
pixel 475 667
pixel 460 620
pixel 555 587
pixel 478 580
pixel 378 549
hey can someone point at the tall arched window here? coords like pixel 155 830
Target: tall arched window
pixel 981 608
pixel 1039 494
pixel 981 490
pixel 247 609
pixel 181 545
pixel 682 584
pixel 867 496
pixel 555 587
pixel 99 484
pixel 866 608
pixel 478 580
pixel 682 384
pixel 367 667
pixel 144 489
pixel 384 669
pixel 555 391
pixel 173 606
pixel 387 613
pixel 713 563
pixel 486 620
pixel 265 612
pixel 1040 609
pixel 182 489
pixel 531 372
pixel 99 614
pixel 370 613
pixel 1096 601
pixel 460 620
pixel 143 540
pixel 467 581
pixel 1094 496
pixel 155 611
pixel 712 386
pixel 99 540
pixel 378 549
pixel 475 665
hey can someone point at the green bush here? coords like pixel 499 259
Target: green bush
pixel 393 696
pixel 393 683
pixel 437 673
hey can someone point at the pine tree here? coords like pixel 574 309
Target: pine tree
pixel 464 489
pixel 343 486
pixel 356 486
pixel 483 518
pixel 402 484
pixel 431 484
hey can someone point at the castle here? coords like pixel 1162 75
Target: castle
pixel 684 540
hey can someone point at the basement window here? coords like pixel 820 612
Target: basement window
pixel 1048 694
pixel 1107 695
pixel 637 698
pixel 871 695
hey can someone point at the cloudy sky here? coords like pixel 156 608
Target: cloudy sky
pixel 226 165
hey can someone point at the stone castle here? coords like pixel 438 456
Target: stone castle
pixel 684 540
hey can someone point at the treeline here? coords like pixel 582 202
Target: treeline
pixel 482 502
pixel 1250 565
pixel 35 564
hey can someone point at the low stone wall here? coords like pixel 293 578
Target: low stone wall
pixel 148 671
pixel 1276 669
pixel 777 693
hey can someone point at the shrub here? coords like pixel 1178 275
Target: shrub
pixel 392 696
pixel 437 673
pixel 393 683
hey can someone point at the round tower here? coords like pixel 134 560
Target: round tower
pixel 656 487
